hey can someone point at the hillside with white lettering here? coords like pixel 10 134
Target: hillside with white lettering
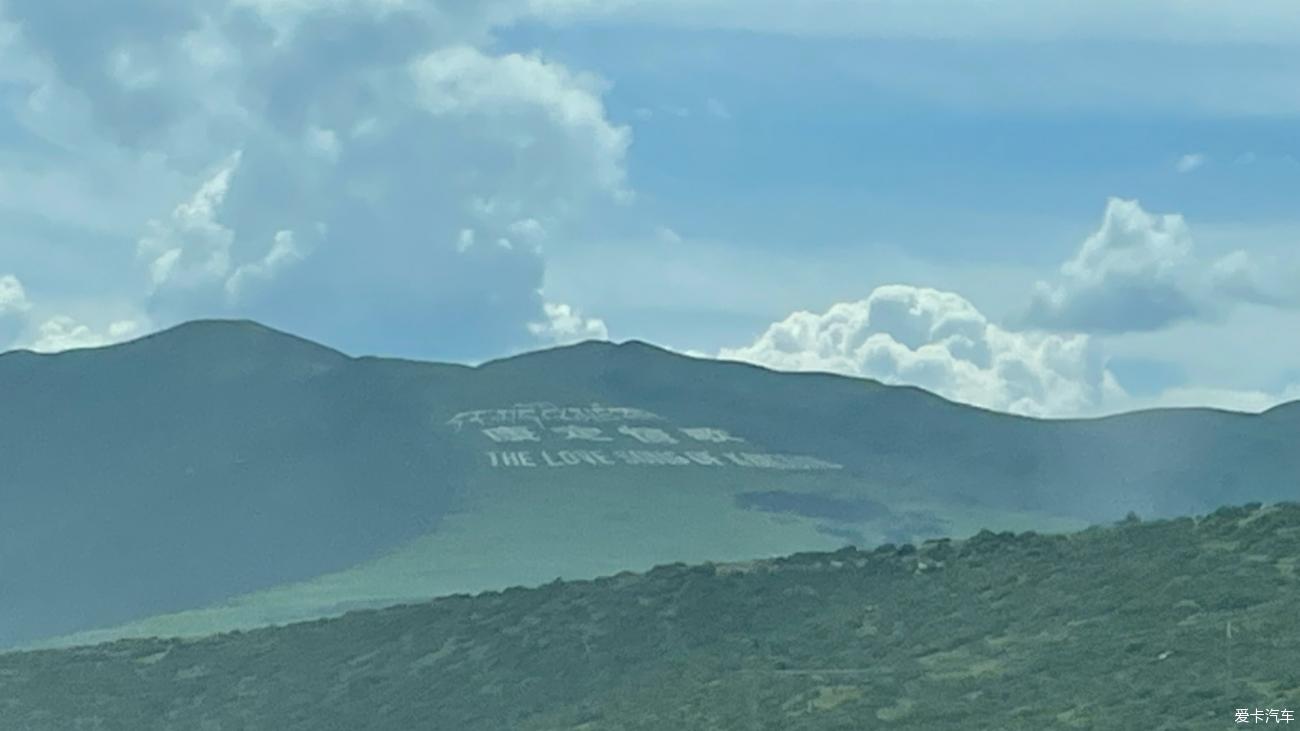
pixel 225 475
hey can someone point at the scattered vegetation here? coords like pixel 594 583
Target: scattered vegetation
pixel 1165 625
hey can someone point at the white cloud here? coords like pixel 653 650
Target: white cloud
pixel 940 342
pixel 388 121
pixel 565 324
pixel 62 332
pixel 22 326
pixel 284 253
pixel 192 250
pixel 1247 401
pixel 463 80
pixel 529 229
pixel 465 240
pixel 14 309
pixel 1139 272
pixel 13 298
pixel 1240 276
pixel 1191 161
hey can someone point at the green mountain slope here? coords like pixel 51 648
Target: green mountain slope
pixel 1172 625
pixel 222 474
pixel 205 461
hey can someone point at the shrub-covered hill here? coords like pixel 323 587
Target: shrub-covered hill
pixel 1164 625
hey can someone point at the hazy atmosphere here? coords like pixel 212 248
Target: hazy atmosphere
pixel 1052 209
pixel 649 365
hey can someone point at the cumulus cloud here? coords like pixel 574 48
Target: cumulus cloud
pixel 1139 272
pixel 62 332
pixel 371 134
pixel 14 307
pixel 1270 279
pixel 565 324
pixel 191 248
pixel 21 326
pixel 13 298
pixel 462 80
pixel 943 343
pixel 191 251
pixel 284 253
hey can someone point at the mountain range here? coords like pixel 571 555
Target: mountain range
pixel 223 475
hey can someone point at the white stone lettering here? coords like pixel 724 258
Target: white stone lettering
pixel 528 414
pixel 704 458
pixel 647 435
pixel 643 457
pixel 640 457
pixel 543 413
pixel 511 434
pixel 581 433
pixel 780 461
pixel 709 434
pixel 467 417
pixel 576 457
pixel 511 459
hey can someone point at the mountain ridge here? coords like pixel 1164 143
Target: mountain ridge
pixel 247 327
pixel 227 460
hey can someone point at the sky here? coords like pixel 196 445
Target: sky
pixel 1050 208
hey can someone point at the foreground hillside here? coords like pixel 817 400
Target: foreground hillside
pixel 1164 625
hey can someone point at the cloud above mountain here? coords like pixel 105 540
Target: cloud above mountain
pixel 13 307
pixel 13 298
pixel 436 178
pixel 941 342
pixel 61 332
pixel 189 253
pixel 1140 272
pixel 323 158
pixel 52 334
pixel 1137 273
pixel 565 324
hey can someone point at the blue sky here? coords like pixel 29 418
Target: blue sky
pixel 1043 207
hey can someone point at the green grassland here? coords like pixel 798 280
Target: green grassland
pixel 521 532
pixel 1169 624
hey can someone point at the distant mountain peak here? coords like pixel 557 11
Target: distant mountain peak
pixel 586 349
pixel 642 345
pixel 221 327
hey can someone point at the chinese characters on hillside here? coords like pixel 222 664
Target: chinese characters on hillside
pixel 543 435
pixel 541 413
